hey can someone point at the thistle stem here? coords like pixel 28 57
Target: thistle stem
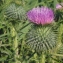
pixel 35 57
pixel 60 31
pixel 60 55
pixel 42 60
pixel 55 2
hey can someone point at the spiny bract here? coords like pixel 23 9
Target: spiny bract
pixel 41 38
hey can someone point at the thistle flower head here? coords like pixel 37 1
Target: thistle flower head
pixel 41 38
pixel 58 6
pixel 15 12
pixel 41 15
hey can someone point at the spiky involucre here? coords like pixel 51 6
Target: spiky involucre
pixel 41 38
pixel 15 12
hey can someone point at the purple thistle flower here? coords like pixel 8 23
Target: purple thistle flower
pixel 41 15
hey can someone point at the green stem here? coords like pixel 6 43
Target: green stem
pixel 60 31
pixel 15 43
pixel 35 57
pixel 23 2
pixel 42 60
pixel 60 55
pixel 55 2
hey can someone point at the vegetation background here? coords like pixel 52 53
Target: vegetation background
pixel 13 29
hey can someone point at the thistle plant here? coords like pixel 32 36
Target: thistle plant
pixel 31 31
pixel 41 37
pixel 38 36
